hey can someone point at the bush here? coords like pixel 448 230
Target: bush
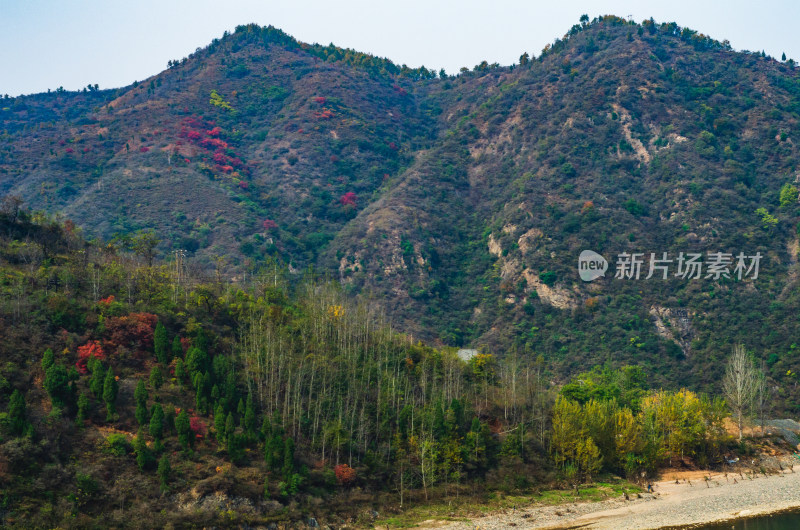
pixel 548 278
pixel 117 444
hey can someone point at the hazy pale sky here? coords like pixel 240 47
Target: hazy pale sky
pixel 71 43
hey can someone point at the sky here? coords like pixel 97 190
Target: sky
pixel 72 43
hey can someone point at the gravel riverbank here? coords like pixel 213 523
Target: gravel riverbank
pixel 693 500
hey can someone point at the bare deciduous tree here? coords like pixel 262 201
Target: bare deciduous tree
pixel 740 384
pixel 762 396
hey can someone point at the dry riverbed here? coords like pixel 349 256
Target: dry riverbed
pixel 693 500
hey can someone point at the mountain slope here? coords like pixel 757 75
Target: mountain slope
pixel 626 139
pixel 461 203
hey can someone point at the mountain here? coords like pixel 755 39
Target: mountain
pixel 461 203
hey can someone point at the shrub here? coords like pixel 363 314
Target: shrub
pixel 345 475
pixel 117 444
pixel 91 349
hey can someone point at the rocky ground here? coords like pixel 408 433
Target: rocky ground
pixel 682 498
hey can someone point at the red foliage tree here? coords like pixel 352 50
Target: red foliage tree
pixel 320 100
pixel 348 199
pixel 107 301
pixel 269 224
pixel 345 475
pixel 90 349
pixel 70 150
pixel 400 90
pixel 326 114
pixel 144 149
pixel 198 427
pixel 134 331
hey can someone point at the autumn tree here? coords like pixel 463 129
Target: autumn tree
pixel 345 475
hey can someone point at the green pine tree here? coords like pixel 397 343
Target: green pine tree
pixel 160 344
pixel 266 428
pixel 83 408
pixel 156 377
pixel 17 417
pixel 56 383
pixel 48 359
pixel 110 390
pixel 98 377
pixel 288 457
pixel 184 428
pixel 143 455
pixel 180 372
pixel 157 422
pixel 249 417
pixel 140 394
pixel 230 426
pixel 177 348
pixel 231 439
pixel 169 420
pixel 164 470
pixel 219 423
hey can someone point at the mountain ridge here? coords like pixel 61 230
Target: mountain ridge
pixel 460 202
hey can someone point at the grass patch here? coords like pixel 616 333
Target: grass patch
pixel 469 506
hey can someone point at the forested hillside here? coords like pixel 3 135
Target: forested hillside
pixel 244 281
pixel 137 394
